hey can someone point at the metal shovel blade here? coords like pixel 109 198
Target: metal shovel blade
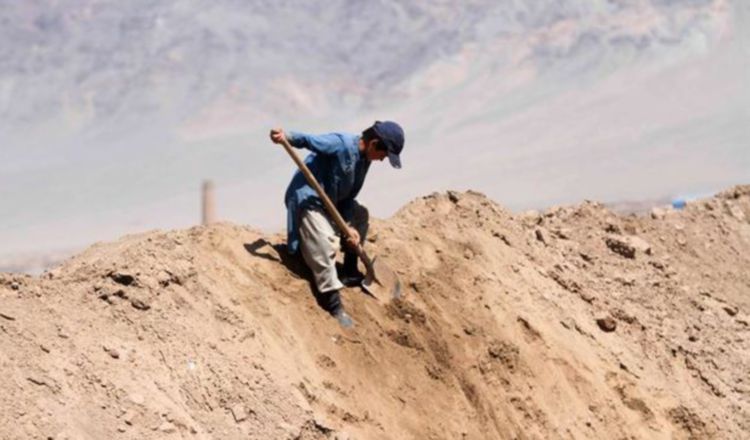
pixel 381 281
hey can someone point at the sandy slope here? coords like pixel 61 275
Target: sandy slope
pixel 207 333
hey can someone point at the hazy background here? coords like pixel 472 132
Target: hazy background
pixel 113 112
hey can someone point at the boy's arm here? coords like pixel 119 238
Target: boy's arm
pixel 322 144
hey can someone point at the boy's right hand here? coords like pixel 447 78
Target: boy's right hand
pixel 277 135
pixel 352 238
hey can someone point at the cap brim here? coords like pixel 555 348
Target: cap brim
pixel 394 160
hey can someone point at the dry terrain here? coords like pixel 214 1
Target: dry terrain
pixel 571 323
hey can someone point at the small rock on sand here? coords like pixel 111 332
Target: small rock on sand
pixel 628 247
pixel 239 413
pixel 139 304
pixel 112 352
pixel 607 324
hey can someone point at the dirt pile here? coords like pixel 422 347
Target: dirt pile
pixel 571 323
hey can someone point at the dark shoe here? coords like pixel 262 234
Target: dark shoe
pixel 352 280
pixel 350 275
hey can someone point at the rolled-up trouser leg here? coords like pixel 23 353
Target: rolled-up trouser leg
pixel 319 243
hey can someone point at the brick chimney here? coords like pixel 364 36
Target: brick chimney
pixel 209 205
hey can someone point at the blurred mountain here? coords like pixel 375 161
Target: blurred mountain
pixel 112 113
pixel 90 61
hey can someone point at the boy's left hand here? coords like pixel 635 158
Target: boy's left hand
pixel 277 135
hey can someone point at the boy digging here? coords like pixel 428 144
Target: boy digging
pixel 339 162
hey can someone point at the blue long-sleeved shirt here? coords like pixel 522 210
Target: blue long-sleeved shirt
pixel 339 167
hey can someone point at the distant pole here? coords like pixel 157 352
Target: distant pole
pixel 209 206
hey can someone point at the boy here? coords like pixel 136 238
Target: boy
pixel 339 162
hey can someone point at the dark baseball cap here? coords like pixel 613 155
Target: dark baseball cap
pixel 392 136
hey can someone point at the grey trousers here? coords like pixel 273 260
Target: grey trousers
pixel 320 240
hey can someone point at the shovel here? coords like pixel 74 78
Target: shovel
pixel 380 280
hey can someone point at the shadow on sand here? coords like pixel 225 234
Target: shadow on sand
pixel 263 248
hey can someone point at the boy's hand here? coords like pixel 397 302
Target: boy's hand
pixel 352 240
pixel 277 135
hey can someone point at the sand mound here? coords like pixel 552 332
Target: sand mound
pixel 572 323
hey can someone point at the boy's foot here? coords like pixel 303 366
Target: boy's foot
pixel 352 279
pixel 342 317
pixel 350 275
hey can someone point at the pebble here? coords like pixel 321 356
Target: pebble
pixel 167 428
pixel 607 324
pixel 138 399
pixel 239 413
pixel 628 247
pixel 129 417
pixel 541 236
pixel 112 352
pixel 122 278
pixel 453 196
pixel 138 304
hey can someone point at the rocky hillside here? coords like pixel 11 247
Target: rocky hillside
pixel 572 323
